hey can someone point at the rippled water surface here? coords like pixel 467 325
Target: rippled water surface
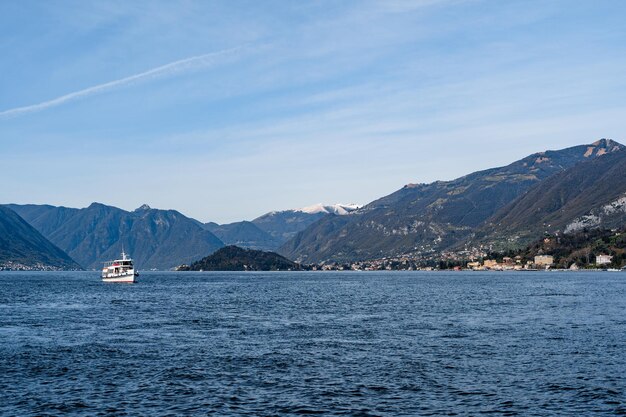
pixel 365 344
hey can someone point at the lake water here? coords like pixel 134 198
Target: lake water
pixel 345 343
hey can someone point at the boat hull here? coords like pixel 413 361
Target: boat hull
pixel 128 279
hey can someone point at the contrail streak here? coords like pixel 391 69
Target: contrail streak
pixel 187 64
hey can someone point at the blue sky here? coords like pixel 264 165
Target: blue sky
pixel 225 110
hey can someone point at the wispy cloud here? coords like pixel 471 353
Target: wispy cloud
pixel 167 70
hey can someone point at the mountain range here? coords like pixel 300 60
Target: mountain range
pixel 155 238
pixel 429 218
pixel 21 246
pixel 270 231
pixel 159 239
pixel 560 191
pixel 586 195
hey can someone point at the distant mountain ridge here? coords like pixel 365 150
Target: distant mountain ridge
pixel 284 225
pixel 271 230
pixel 21 244
pixel 423 218
pixel 552 191
pixel 244 234
pixel 159 239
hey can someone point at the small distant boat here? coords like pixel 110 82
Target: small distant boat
pixel 119 270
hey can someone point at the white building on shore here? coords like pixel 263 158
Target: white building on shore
pixel 544 260
pixel 603 259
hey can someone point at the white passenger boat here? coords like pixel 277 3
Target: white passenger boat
pixel 119 270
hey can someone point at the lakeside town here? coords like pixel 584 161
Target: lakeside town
pixel 445 261
pixel 18 266
pixel 451 262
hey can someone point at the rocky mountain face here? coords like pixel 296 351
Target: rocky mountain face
pixel 159 239
pixel 22 245
pixel 430 217
pixel 585 196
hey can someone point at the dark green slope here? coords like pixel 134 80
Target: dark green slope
pixel 21 243
pixel 233 258
pixel 589 195
pixel 430 217
pixel 154 238
pixel 580 248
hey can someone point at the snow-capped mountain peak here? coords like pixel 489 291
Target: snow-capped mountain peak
pixel 340 209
